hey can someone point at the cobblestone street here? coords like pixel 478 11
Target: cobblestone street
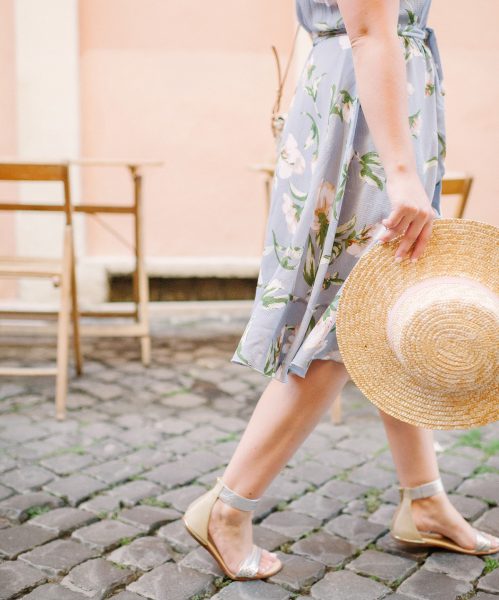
pixel 90 507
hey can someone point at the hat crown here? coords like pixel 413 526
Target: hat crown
pixel 443 331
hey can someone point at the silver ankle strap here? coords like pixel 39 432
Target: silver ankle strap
pixel 235 500
pixel 426 489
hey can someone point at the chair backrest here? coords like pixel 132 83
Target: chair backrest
pixel 457 184
pixel 21 171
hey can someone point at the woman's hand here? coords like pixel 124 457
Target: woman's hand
pixel 412 215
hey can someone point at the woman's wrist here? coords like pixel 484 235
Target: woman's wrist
pixel 401 170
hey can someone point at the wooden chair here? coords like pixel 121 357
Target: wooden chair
pixel 453 184
pixel 140 328
pixel 61 271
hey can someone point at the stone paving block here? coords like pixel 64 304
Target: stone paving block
pixel 102 505
pixel 252 590
pixel 174 426
pixel 17 577
pixel 291 523
pixel 458 566
pixel 342 490
pixel 200 559
pixel 317 505
pixel 148 518
pixel 74 488
pixel 148 458
pixel 178 537
pixel 489 522
pixel 100 390
pixel 5 492
pixel 53 591
pixel 20 506
pixel 341 459
pixel 425 585
pixel 344 585
pixel 325 548
pixel 460 465
pixel 285 489
pixel 127 596
pixel 57 557
pixel 313 472
pixel 180 498
pixel 388 544
pixel 65 464
pixel 64 520
pixel 451 481
pixel 97 578
pixel 484 486
pixel 23 433
pixel 107 448
pixel 172 582
pixel 359 531
pixel 383 515
pixel 297 573
pixel 384 566
pixel 269 539
pixel 202 460
pixel 372 476
pixel 361 445
pixel 172 474
pixel 470 508
pixel 490 582
pixel 26 478
pixel 142 554
pixel 114 471
pixel 20 538
pixel 131 492
pixel 105 534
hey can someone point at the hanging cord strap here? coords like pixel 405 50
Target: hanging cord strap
pixel 277 121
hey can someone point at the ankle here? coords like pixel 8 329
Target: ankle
pixel 431 504
pixel 230 515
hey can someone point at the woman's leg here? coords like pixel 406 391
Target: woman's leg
pixel 282 419
pixel 419 465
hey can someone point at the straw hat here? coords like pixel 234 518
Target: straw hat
pixel 421 340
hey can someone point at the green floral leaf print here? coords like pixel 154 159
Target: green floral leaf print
pixel 299 199
pixel 341 189
pixel 310 69
pixel 272 357
pixel 274 296
pixel 415 123
pixel 336 251
pixel 332 279
pixel 412 18
pixel 310 269
pixel 371 169
pixel 313 136
pixel 288 256
pixel 347 226
pixel 313 90
pixel 443 145
pixel 311 325
pixel 431 162
pixel 340 104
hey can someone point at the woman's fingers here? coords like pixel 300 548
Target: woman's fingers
pixel 393 232
pixel 421 242
pixel 409 237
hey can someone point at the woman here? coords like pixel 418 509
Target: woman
pixel 360 161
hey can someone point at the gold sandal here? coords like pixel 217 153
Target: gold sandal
pixel 196 519
pixel 404 529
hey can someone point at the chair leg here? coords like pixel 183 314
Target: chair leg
pixel 336 410
pixel 63 329
pixel 75 315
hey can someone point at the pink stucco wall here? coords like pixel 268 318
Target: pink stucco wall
pixel 191 84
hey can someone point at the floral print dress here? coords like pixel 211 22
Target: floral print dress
pixel 328 192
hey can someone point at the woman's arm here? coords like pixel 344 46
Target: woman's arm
pixel 382 89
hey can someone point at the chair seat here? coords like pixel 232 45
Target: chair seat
pixel 30 266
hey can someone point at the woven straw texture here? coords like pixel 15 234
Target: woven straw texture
pixel 424 352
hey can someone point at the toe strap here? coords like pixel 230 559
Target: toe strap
pixel 249 566
pixel 483 542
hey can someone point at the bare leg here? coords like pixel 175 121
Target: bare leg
pixel 283 418
pixel 418 466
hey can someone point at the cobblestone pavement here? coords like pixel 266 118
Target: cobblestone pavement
pixel 90 507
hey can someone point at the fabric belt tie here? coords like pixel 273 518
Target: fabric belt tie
pixel 427 34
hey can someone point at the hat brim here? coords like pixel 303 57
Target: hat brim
pixel 459 247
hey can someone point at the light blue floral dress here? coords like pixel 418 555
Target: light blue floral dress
pixel 328 193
